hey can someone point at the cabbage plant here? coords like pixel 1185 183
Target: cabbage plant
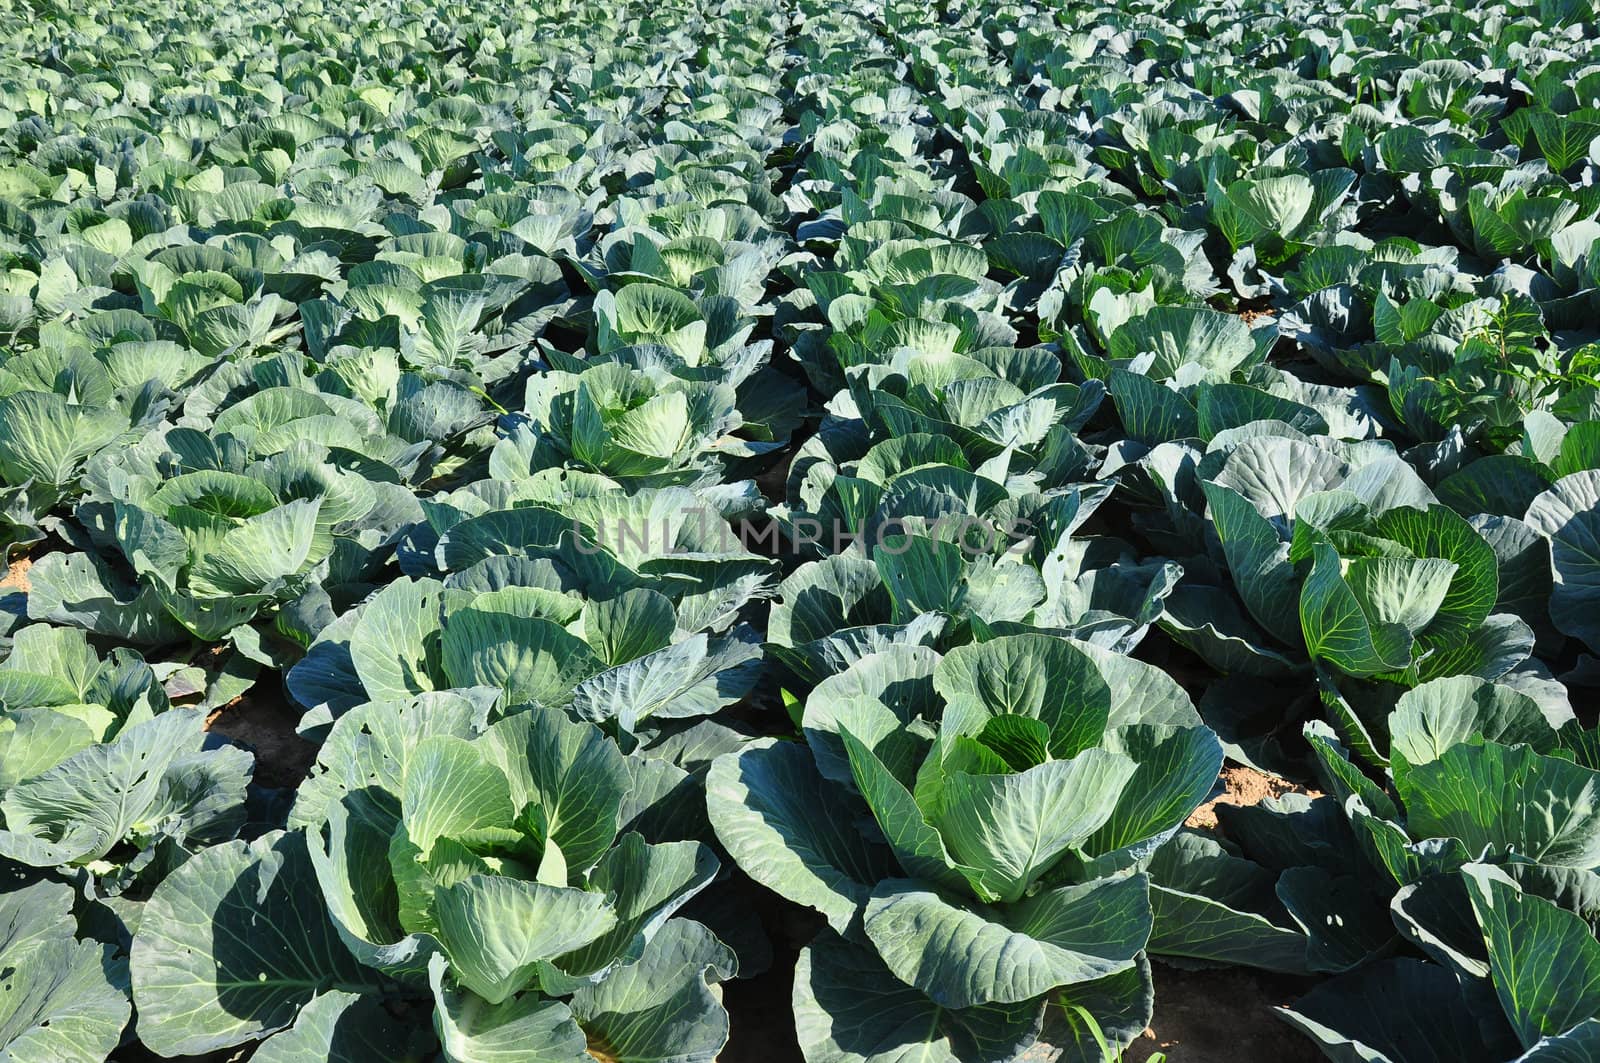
pixel 442 881
pixel 973 826
pixel 1446 883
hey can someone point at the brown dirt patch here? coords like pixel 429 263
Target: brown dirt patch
pixel 16 577
pixel 1245 786
pixel 1225 1015
pixel 263 722
pixel 1222 1016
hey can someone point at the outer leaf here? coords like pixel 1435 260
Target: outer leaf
pixel 1209 905
pixel 650 883
pixel 849 1008
pixel 962 956
pixel 794 833
pixel 1395 1011
pixel 61 1001
pixel 1569 513
pixel 1544 960
pixel 393 645
pixel 1429 719
pixel 661 1007
pixel 1509 799
pixel 81 808
pixel 340 1027
pixel 233 944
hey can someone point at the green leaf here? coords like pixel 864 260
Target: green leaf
pixel 1021 741
pixel 449 790
pixel 65 1001
pixel 1507 798
pixel 393 646
pixel 535 661
pixel 208 618
pixel 916 844
pixel 258 552
pixel 792 832
pixel 233 944
pixel 922 574
pixel 1431 718
pixel 1502 484
pixel 497 931
pixel 1563 139
pixel 1399 324
pixel 1046 678
pixel 1344 924
pixel 1569 513
pixel 363 760
pixel 81 591
pixel 83 807
pixel 848 1008
pixel 1224 406
pixel 1013 828
pixel 1403 591
pixel 44 438
pixel 965 955
pixel 1258 559
pixel 1577 1045
pixel 526 1029
pixel 1151 412
pixel 1475 583
pixel 1396 1010
pixel 1340 630
pixel 353 797
pixel 875 699
pixel 340 1027
pixel 1207 904
pixel 33 741
pixel 1275 205
pixel 1181 336
pixel 661 1007
pixel 1544 961
pixel 502 532
pixel 47 666
pixel 574 774
pixel 1120 1004
pixel 649 883
pixel 695 677
pixel 1523 557
pixel 1175 772
pixel 632 624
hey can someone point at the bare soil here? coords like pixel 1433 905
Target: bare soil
pixel 264 722
pixel 16 578
pixel 1222 1016
pixel 1244 786
pixel 1225 1015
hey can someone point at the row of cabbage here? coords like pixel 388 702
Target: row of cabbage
pixel 1448 822
pixel 288 296
pixel 420 354
pixel 1392 534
